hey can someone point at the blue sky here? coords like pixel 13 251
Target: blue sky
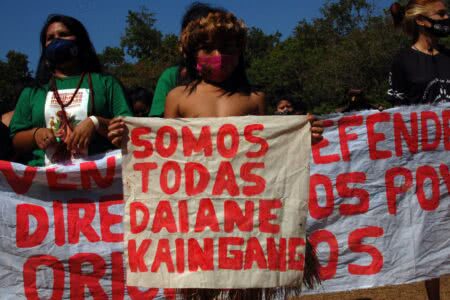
pixel 21 20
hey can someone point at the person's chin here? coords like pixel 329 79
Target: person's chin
pixel 219 80
pixel 67 65
pixel 216 81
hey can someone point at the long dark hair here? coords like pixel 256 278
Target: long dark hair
pixel 88 58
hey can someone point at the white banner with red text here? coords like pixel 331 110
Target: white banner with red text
pixel 379 208
pixel 216 203
pixel 61 232
pixel 379 212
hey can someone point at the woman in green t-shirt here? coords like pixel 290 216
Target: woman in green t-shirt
pixel 66 114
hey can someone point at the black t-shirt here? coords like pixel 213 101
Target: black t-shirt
pixel 5 141
pixel 417 77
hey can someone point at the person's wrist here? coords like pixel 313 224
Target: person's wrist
pixel 34 136
pixel 95 121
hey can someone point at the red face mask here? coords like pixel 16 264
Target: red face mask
pixel 216 68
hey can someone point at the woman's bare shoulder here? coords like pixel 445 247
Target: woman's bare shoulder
pixel 258 98
pixel 257 95
pixel 173 100
pixel 178 91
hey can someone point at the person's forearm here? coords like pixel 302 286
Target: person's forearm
pixel 103 126
pixel 23 141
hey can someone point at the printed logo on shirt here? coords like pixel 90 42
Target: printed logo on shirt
pixel 65 98
pixel 76 112
pixel 438 90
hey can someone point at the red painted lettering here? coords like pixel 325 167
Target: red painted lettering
pixel 191 144
pixel 296 257
pixel 77 224
pixel 422 174
pixel 392 190
pixel 206 216
pixel 318 158
pixel 263 145
pixel 344 191
pixel 89 170
pixel 315 210
pixel 183 216
pixel 254 254
pixel 324 236
pixel 344 137
pixel 25 239
pixel 225 180
pixel 135 208
pixel 247 175
pixel 276 257
pixel 445 173
pixel 169 150
pixel 233 216
pixel 230 131
pixel 79 280
pixel 137 141
pixel 163 256
pixel 201 258
pixel 117 276
pixel 164 177
pixel 190 170
pixel 373 137
pixel 180 261
pixel 145 169
pixel 108 219
pixel 136 260
pixel 355 244
pixel 446 128
pixel 164 218
pixel 425 117
pixel 266 215
pixel 60 233
pixel 54 181
pixel 19 184
pixel 30 270
pixel 401 133
pixel 234 262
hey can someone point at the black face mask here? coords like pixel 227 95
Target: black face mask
pixel 439 28
pixel 283 113
pixel 60 51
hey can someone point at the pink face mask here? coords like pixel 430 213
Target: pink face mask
pixel 216 68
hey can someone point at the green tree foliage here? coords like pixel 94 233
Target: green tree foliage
pixel 146 71
pixel 112 57
pixel 350 45
pixel 14 75
pixel 168 53
pixel 344 16
pixel 141 40
pixel 151 51
pixel 260 44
